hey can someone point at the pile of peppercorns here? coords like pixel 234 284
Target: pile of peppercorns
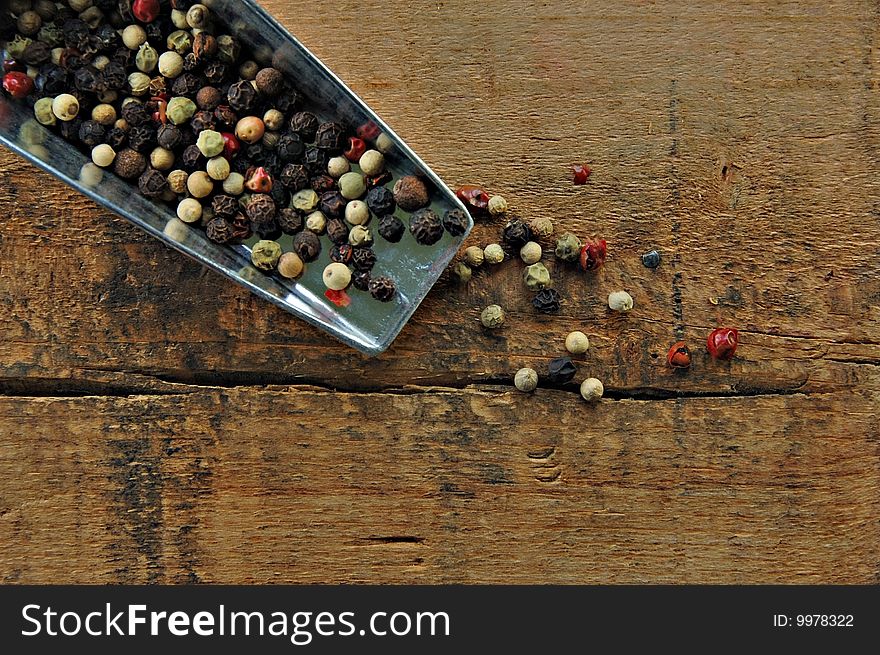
pixel 161 94
pixel 520 239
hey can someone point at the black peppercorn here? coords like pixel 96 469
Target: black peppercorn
pixel 270 82
pixel 280 195
pixel 242 96
pixel 456 222
pixel 187 84
pixel 561 371
pixel 305 124
pixel 142 138
pixel 192 158
pixel 391 228
pixel 135 114
pixel 295 177
pixel 225 206
pixel 215 72
pixel 152 183
pixel 381 201
pixel 361 280
pixel 70 129
pixel 363 259
pixel 116 138
pixel 341 253
pixel 426 227
pixel 290 147
pixel 261 209
pixel 316 160
pixel 382 288
pixel 322 183
pixel 113 77
pixel 91 133
pixel 53 80
pixel 332 204
pixel 76 33
pixel 241 227
pixel 287 101
pixel 203 120
pixel 191 63
pixel 225 116
pixel 169 137
pixel 547 301
pixel 290 221
pixel 108 37
pixel 219 230
pixel 307 245
pixel 381 179
pixel 330 136
pixel 516 233
pixel 36 53
pixel 337 230
pixel 88 79
pixel 129 164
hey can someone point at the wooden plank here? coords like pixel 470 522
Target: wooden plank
pixel 300 485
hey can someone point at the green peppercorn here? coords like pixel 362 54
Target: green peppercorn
pixel 32 133
pixel 139 83
pixel 462 272
pixel 210 143
pixel 372 162
pixel 180 110
pixel 474 257
pixel 531 253
pixel 360 236
pixel 592 390
pixel 338 166
pixel 542 227
pixel 265 255
pixel 316 222
pixel 179 41
pixel 18 45
pixel 536 276
pixel 305 200
pixel 492 317
pixel 352 186
pixel 568 248
pixel 43 112
pixel 146 58
pixel 493 254
pixel 526 380
pixel 228 49
pixel 234 184
pixel 218 168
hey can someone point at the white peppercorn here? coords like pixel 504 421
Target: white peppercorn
pixel 234 184
pixel 189 210
pixel 493 254
pixel 162 159
pixel 103 155
pixel 531 253
pixel 542 227
pixel 526 380
pixel 65 107
pixel 372 162
pixel 497 206
pixel 577 343
pixel 337 167
pixel 43 112
pixel 218 168
pixel 199 184
pixel 352 186
pixel 492 317
pixel 177 181
pixel 273 119
pixel 474 257
pixel 337 277
pixel 290 265
pixel 134 36
pixel 91 175
pixel 316 222
pixel 198 16
pixel 357 213
pixel 178 18
pixel 620 301
pixel 384 143
pixel 592 390
pixel 104 114
pixel 170 64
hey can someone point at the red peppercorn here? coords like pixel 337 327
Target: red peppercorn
pixel 679 356
pixel 18 84
pixel 259 180
pixel 231 145
pixel 10 65
pixel 593 255
pixel 581 173
pixel 338 298
pixel 722 343
pixel 474 198
pixel 368 131
pixel 356 148
pixel 146 11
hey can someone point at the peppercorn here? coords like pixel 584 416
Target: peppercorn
pixel 497 206
pixel 329 136
pixel 474 256
pixel 620 301
pixel 177 181
pixel 531 253
pixel 516 234
pixel 426 227
pixel 357 213
pixel 474 198
pixel 352 186
pixel 180 109
pixel 381 201
pixel 338 166
pixel 135 113
pixel 65 107
pixel 129 164
pixel 265 255
pixel 547 301
pixel 526 380
pixel 234 184
pixel 679 355
pixel 219 230
pixel 134 36
pixel 462 272
pixel 651 259
pixel 199 184
pixel 250 129
pixel 228 48
pixel 361 280
pixel 360 236
pixel 261 208
pixel 391 228
pixel 290 265
pixel 204 46
pixel 456 222
pixel 29 23
pixel 70 129
pixel 242 96
pixel 142 138
pixel 581 173
pixel 217 168
pixel 722 343
pixel 215 72
pixel 341 253
pixel 224 206
pixel 192 158
pixel 241 227
pixel 372 162
pixel 316 222
pixel 152 183
pixel 43 112
pixel 270 82
pixel 568 247
pixel 36 53
pixel 363 259
pixel 382 288
pixel 305 124
pixel 307 245
pixel 492 317
pixel 577 343
pixel 493 254
pixel 294 177
pixel 332 204
pixel 337 277
pixel 259 180
pixel 536 276
pixel 541 226
pixel 189 210
pixel 592 390
pixel 91 133
pixel 103 155
pixel 248 70
pixel 561 370
pixel 305 200
pixel 290 148
pixel 592 256
pixel 316 159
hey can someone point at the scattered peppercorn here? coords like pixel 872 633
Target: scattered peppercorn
pixel 357 213
pixel 547 301
pixel 592 256
pixel 382 288
pixel 462 272
pixel 651 259
pixel 592 390
pixel 679 355
pixel 391 228
pixel 265 255
pixel 561 370
pixel 526 380
pixel 568 247
pixel 620 301
pixel 497 206
pixel 531 253
pixel 363 259
pixel 542 227
pixel 474 198
pixel 493 254
pixel 536 276
pixel 722 343
pixel 581 173
pixel 381 201
pixel 456 222
pixel 516 234
pixel 307 245
pixel 290 265
pixel 474 256
pixel 577 343
pixel 492 317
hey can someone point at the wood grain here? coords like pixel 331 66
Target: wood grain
pixel 740 139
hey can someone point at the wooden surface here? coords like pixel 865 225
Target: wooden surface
pixel 158 424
